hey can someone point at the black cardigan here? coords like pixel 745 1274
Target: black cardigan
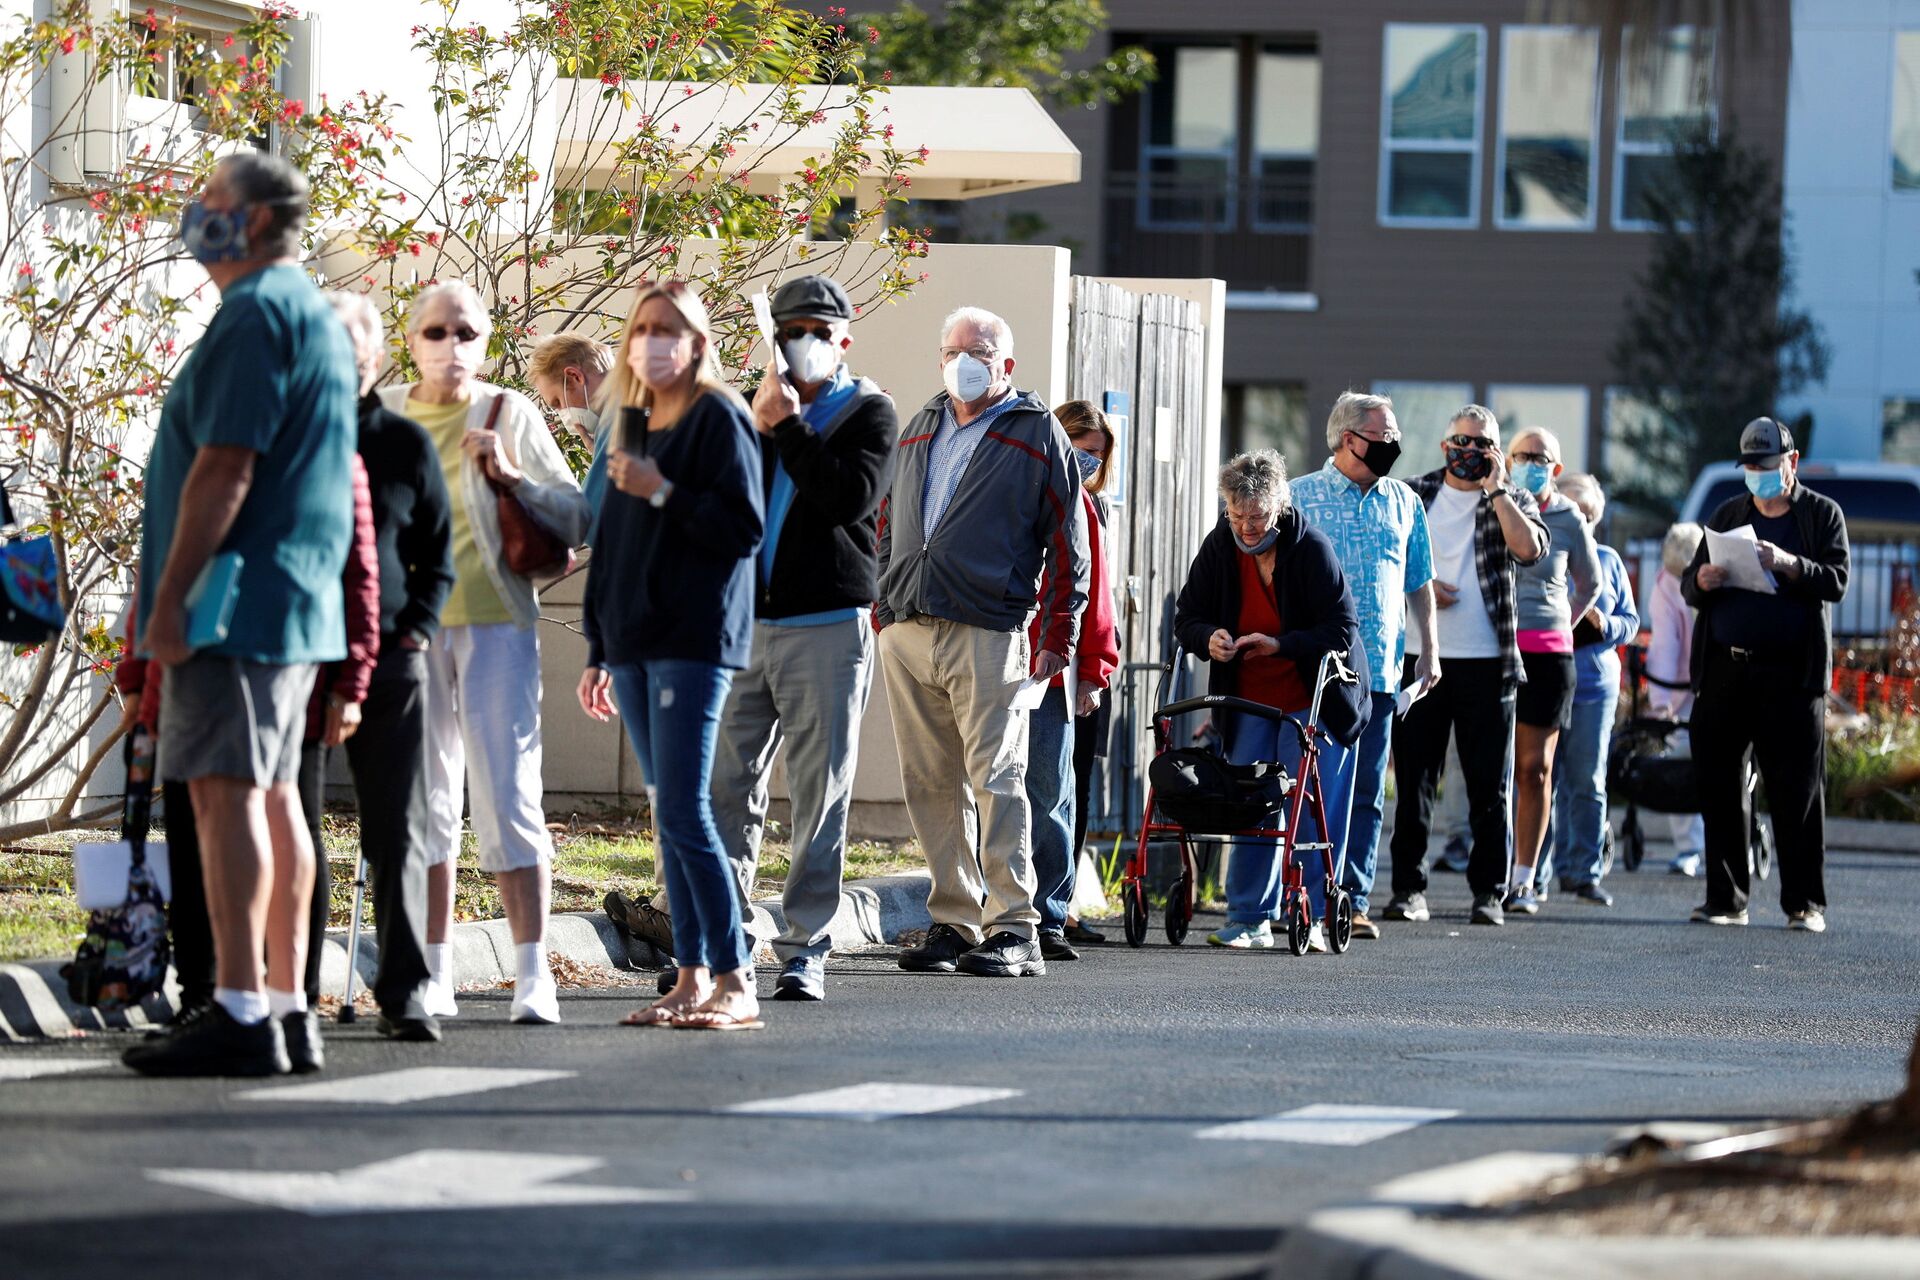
pixel 828 554
pixel 1315 606
pixel 412 520
pixel 1823 581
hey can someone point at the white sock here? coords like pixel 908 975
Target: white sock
pixel 282 1003
pixel 245 1007
pixel 1523 879
pixel 439 963
pixel 530 958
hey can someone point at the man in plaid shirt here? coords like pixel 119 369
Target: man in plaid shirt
pixel 1481 528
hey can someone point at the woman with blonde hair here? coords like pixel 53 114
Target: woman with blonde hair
pixel 483 668
pixel 669 619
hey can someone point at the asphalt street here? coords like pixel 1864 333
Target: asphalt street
pixel 1058 1126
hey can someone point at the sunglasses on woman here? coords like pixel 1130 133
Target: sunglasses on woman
pixel 440 333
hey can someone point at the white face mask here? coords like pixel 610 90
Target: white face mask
pixel 448 364
pixel 811 359
pixel 967 379
pixel 658 361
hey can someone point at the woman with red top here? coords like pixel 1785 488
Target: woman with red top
pixel 1265 600
pixel 1050 730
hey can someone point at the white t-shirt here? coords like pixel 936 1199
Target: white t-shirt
pixel 1465 630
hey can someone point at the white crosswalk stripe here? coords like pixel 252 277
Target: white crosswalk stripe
pixel 25 1068
pixel 874 1101
pixel 1325 1124
pixel 415 1084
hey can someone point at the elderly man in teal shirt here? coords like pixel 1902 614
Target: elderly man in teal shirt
pixel 1379 528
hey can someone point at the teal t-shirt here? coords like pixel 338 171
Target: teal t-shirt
pixel 274 373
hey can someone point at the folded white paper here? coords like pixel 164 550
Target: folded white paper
pixel 1031 693
pixel 1738 553
pixel 100 873
pixel 1411 694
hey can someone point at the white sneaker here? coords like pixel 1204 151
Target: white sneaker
pixel 1685 864
pixel 537 1003
pixel 1317 939
pixel 1812 920
pixel 1243 937
pixel 439 1001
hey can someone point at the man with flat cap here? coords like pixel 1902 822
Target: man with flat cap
pixel 1762 662
pixel 827 443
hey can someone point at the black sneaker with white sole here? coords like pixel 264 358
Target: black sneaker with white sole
pixel 940 953
pixel 215 1045
pixel 1004 955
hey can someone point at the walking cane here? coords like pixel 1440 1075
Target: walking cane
pixel 353 934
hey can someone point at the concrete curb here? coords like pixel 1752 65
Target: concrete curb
pixel 34 1003
pixel 1403 1235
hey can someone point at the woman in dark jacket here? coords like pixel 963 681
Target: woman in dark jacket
pixel 669 618
pixel 1265 600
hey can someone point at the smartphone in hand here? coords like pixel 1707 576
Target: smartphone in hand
pixel 634 422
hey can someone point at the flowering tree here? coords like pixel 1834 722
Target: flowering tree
pixel 575 150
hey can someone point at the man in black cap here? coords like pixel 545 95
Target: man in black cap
pixel 827 447
pixel 1762 662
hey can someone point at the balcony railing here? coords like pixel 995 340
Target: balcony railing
pixel 1252 230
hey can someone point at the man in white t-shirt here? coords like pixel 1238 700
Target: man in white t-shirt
pixel 1481 528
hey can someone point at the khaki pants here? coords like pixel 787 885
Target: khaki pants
pixel 963 749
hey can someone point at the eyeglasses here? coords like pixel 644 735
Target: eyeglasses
pixel 795 332
pixel 440 333
pixel 1468 442
pixel 1530 456
pixel 983 354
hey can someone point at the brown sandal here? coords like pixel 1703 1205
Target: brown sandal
pixel 658 1014
pixel 717 1020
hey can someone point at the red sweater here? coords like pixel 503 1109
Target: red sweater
pixel 351 678
pixel 1099 651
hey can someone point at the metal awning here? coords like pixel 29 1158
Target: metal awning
pixel 1027 149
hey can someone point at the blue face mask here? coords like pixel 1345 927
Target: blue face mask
pixel 214 235
pixel 1089 464
pixel 1771 483
pixel 1531 476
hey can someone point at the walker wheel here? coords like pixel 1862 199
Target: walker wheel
pixel 1340 923
pixel 1299 924
pixel 1635 841
pixel 1134 912
pixel 1760 849
pixel 1609 850
pixel 1179 910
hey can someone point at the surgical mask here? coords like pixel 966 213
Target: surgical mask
pixel 1771 483
pixel 1380 456
pixel 1471 465
pixel 967 379
pixel 448 362
pixel 1089 464
pixel 214 235
pixel 1264 545
pixel 660 361
pixel 1532 476
pixel 811 359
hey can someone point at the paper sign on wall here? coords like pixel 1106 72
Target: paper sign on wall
pixel 1164 437
pixel 1118 406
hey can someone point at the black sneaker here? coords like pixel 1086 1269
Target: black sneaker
pixel 668 979
pixel 1593 893
pixel 1486 910
pixel 1084 934
pixel 939 953
pixel 1410 907
pixel 410 1027
pixel 1054 946
pixel 215 1045
pixel 189 1015
pixel 1004 955
pixel 305 1053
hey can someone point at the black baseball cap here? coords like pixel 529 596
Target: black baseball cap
pixel 813 296
pixel 1762 443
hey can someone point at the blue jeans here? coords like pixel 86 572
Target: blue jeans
pixel 1369 767
pixel 1050 797
pixel 1574 844
pixel 672 712
pixel 1253 869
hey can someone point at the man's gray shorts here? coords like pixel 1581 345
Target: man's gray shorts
pixel 227 718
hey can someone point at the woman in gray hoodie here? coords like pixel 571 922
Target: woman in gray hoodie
pixel 1549 594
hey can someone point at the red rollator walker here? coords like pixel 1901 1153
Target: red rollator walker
pixel 1195 792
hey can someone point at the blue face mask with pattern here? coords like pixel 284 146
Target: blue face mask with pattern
pixel 1089 464
pixel 214 235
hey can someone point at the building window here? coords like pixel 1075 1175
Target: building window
pixel 1270 415
pixel 1561 410
pixel 1424 411
pixel 1187 157
pixel 1431 125
pixel 1286 138
pixel 1900 430
pixel 1906 111
pixel 1666 92
pixel 1547 164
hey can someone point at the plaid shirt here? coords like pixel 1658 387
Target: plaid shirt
pixel 1494 562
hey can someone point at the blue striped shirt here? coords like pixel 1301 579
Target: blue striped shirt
pixel 948 454
pixel 1380 535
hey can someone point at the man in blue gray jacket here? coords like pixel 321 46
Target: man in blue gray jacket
pixel 985 497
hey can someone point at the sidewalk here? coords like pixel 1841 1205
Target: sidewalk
pixel 33 998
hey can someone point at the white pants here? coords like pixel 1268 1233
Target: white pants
pixel 483 701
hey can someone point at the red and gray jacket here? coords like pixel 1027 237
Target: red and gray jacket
pixel 1015 515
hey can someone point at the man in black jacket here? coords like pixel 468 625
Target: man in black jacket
pixel 827 448
pixel 1762 661
pixel 413 526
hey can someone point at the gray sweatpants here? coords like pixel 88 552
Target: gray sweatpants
pixel 806 686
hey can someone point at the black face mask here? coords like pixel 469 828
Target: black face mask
pixel 1471 465
pixel 1380 456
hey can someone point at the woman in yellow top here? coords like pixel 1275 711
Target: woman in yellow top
pixel 483 687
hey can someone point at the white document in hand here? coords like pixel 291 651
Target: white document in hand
pixel 1738 553
pixel 1411 694
pixel 1031 693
